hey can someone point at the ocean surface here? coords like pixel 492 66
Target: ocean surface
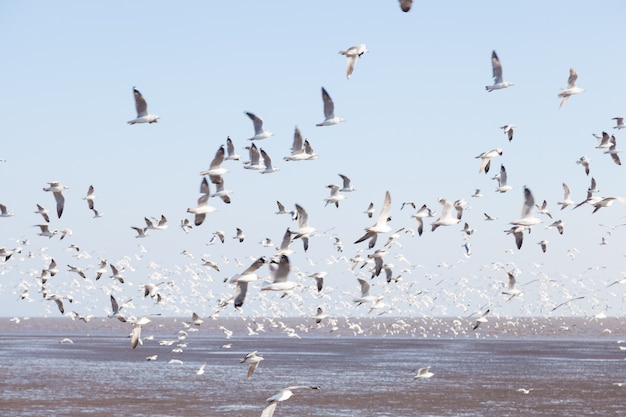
pixel 570 367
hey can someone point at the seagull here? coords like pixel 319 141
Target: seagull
pixel 281 208
pixel 405 5
pixel 141 232
pixel 346 187
pixel 481 319
pixel 56 188
pixel 571 88
pixel 215 170
pixel 498 82
pixel 239 235
pixel 320 315
pixel 489 217
pixel 300 150
pixel 335 195
pixel 161 224
pixel 280 275
pixel 559 224
pixel 203 207
pixel 200 371
pixel 423 373
pixel 370 210
pixel 242 280
pixel 365 293
pixel 619 123
pixel 446 218
pixel 605 141
pixel 502 178
pixel 185 224
pixel 101 269
pixel 544 245
pixel 267 161
pixel 584 161
pixel 79 271
pixel 116 274
pixel 90 197
pixel 485 162
pixel 508 130
pixel 230 150
pixel 142 110
pixel 43 212
pixel 45 231
pixel 303 231
pixel 567 201
pixel 352 54
pixel 282 395
pixel 319 280
pixel 518 233
pixel 329 111
pixel 259 132
pixel 381 225
pixel 4 212
pixel 527 219
pixel 543 209
pixel 511 290
pixel 221 192
pixel 613 151
pixel 423 211
pixel 477 193
pixel 135 337
pixel 253 361
pixel 255 159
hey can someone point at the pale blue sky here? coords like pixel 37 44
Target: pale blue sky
pixel 417 114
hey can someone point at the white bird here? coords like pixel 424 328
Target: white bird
pixel 518 234
pixel 527 219
pixel 200 370
pixel 304 231
pixel 230 150
pixel 78 270
pixel 543 209
pixel 253 361
pixel 329 111
pixel 477 193
pixel 481 319
pixel 267 161
pixel 141 232
pixel 381 225
pixel 559 224
pixel 215 170
pixel 282 395
pixel 4 212
pixel 613 151
pixel 45 231
pixel 485 157
pixel 498 82
pixel 57 188
pixel 301 150
pixel 423 211
pixel 370 210
pixel 90 197
pixel 567 201
pixel 142 110
pixel 489 217
pixel 259 132
pixel 280 275
pixel 619 123
pixel 185 224
pixel 202 208
pixel 544 245
pixel 240 235
pixel 335 196
pixel 116 274
pixel 508 130
pixel 352 54
pixel 255 159
pixel 446 218
pixel 365 293
pixel 242 280
pixel 137 323
pixel 45 213
pixel 502 178
pixel 346 187
pixel 160 224
pixel 423 373
pixel 511 290
pixel 571 88
pixel 584 161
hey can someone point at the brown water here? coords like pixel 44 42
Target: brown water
pixel 476 375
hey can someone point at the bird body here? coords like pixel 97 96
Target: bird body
pixel 142 110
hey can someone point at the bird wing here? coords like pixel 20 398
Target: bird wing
pixel 329 107
pixel 140 103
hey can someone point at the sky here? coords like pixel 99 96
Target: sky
pixel 417 114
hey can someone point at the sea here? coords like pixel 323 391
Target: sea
pixel 363 367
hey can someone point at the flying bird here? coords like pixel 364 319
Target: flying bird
pixel 329 111
pixel 485 157
pixel 142 110
pixel 253 361
pixel 508 130
pixel 498 82
pixel 381 225
pixel 571 88
pixel 57 188
pixel 352 54
pixel 259 132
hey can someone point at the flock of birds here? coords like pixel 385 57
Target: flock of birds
pixel 365 266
